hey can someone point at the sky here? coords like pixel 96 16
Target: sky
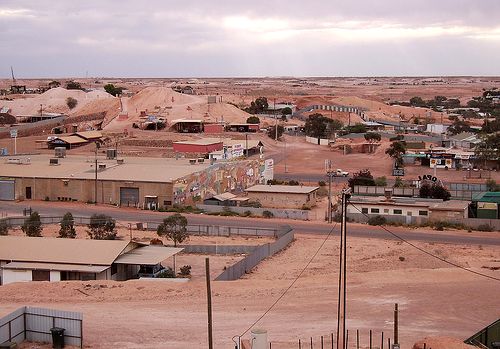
pixel 234 38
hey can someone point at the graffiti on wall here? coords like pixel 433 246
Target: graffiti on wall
pixel 217 179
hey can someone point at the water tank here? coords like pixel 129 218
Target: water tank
pixel 258 339
pixel 111 153
pixel 60 152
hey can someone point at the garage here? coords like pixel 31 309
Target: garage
pixel 129 196
pixel 7 189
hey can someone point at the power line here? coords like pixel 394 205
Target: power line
pixel 293 282
pixel 427 252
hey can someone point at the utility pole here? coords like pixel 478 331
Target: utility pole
pixel 246 145
pixel 395 344
pixel 329 174
pixel 209 303
pixel 341 308
pixel 95 183
pixel 276 121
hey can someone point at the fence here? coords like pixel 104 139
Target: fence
pixel 458 191
pixel 34 324
pixel 277 212
pixel 235 271
pixel 219 249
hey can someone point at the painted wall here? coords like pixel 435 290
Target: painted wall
pixel 386 210
pixel 10 276
pixel 284 200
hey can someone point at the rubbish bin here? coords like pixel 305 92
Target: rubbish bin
pixel 57 337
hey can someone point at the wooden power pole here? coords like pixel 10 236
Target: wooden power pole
pixel 209 304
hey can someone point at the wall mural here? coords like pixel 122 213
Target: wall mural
pixel 217 179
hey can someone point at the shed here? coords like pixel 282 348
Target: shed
pixel 68 142
pixel 487 204
pixel 283 196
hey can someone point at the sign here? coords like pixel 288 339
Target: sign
pixel 13 133
pixel 237 150
pixel 399 172
pixel 268 173
pixel 427 178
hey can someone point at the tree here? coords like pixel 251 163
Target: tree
pixel 372 137
pixel 113 90
pixel 320 126
pixel 102 227
pixel 174 228
pixel 381 181
pixel 71 102
pixel 398 182
pixel 491 126
pixel 458 126
pixel 286 111
pixel 32 226
pixel 362 177
pixel 489 148
pixel 434 191
pixel 54 84
pixel 271 132
pixel 261 104
pixel 396 151
pixel 67 229
pixel 417 102
pixel 4 228
pixel 491 184
pixel 73 85
pixel 357 128
pixel 253 120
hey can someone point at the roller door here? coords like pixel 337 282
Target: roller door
pixel 7 189
pixel 129 196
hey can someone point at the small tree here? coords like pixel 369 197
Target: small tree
pixel 113 90
pixel 174 228
pixel 398 182
pixel 363 177
pixel 73 85
pixel 286 111
pixel 434 191
pixel 253 120
pixel 492 185
pixel 372 137
pixel 67 229
pixel 271 131
pixel 396 151
pixel 4 228
pixel 32 225
pixel 102 227
pixel 381 181
pixel 71 102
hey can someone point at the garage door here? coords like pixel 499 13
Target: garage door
pixel 129 196
pixel 7 189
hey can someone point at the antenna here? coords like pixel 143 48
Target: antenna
pixel 12 73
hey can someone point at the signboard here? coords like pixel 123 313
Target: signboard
pixel 399 172
pixel 237 150
pixel 13 133
pixel 268 173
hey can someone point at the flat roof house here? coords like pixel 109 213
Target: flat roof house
pixel 283 196
pixel 52 259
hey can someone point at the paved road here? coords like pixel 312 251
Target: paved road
pixel 354 230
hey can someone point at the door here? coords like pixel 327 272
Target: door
pixel 7 191
pixel 28 193
pixel 129 196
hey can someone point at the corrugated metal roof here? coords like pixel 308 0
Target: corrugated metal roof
pixel 89 134
pixel 488 196
pixel 72 139
pixel 66 251
pixel 56 266
pixel 148 255
pixel 224 196
pixel 285 189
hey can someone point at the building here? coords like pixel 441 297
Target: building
pixel 187 126
pixel 234 127
pixel 405 210
pixel 68 142
pixel 487 205
pixel 225 199
pixel 436 128
pixel 198 146
pixel 53 259
pixel 283 196
pixel 464 141
pixel 148 183
pixel 213 128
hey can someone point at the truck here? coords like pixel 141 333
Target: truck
pixel 339 173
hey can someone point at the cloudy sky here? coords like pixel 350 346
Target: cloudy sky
pixel 222 38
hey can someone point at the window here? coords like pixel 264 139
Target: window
pixel 114 269
pixel 398 211
pixel 167 203
pixel 386 210
pixel 364 210
pixel 422 213
pixel 375 210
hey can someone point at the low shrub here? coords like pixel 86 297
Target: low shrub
pixel 4 228
pixel 377 220
pixel 484 227
pixel 185 270
pixel 267 214
pixel 168 273
pixel 246 214
pixel 322 183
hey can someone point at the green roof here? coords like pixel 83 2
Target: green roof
pixel 487 196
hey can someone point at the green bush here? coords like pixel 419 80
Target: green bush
pixel 185 270
pixel 267 214
pixel 102 227
pixel 33 226
pixel 377 220
pixel 441 225
pixel 246 214
pixel 168 273
pixel 484 227
pixel 381 181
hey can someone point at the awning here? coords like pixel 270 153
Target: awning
pixel 147 255
pixel 56 266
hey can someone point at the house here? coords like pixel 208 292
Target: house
pixel 464 140
pixel 89 136
pixel 404 209
pixel 436 128
pixel 52 259
pixel 283 196
pixel 68 142
pixel 225 199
